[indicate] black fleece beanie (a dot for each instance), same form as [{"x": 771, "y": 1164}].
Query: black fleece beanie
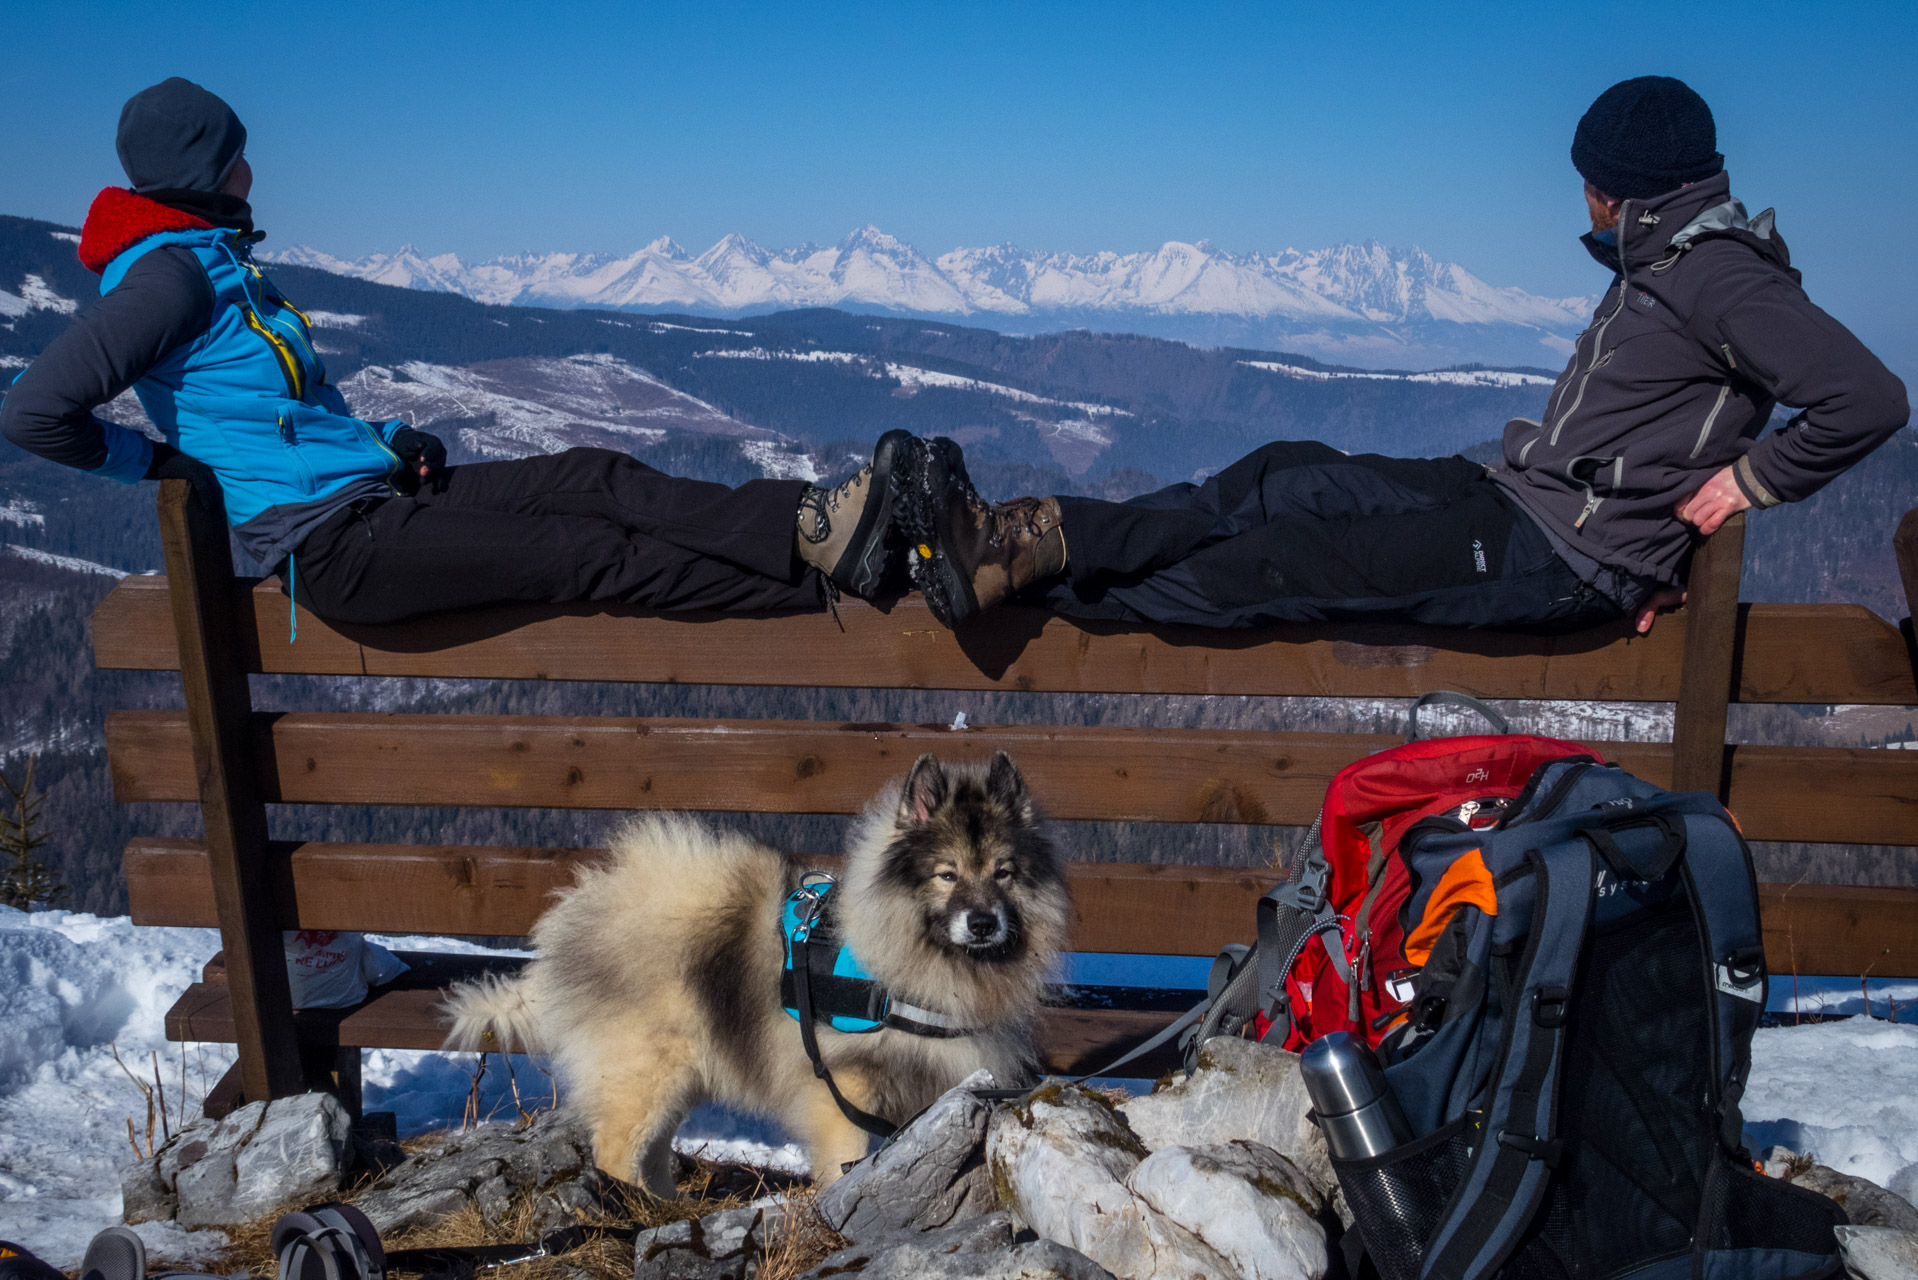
[
  {"x": 1645, "y": 137},
  {"x": 176, "y": 136}
]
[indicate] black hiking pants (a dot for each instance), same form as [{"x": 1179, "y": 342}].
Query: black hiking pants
[
  {"x": 1300, "y": 532},
  {"x": 586, "y": 524}
]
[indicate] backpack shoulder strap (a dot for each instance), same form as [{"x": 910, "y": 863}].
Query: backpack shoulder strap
[{"x": 1505, "y": 1182}]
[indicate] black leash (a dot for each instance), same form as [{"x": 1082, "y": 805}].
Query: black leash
[{"x": 802, "y": 991}]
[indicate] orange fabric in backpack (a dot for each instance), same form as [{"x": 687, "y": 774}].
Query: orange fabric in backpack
[{"x": 1369, "y": 807}]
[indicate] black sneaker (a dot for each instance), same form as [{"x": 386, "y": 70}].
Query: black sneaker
[
  {"x": 846, "y": 532},
  {"x": 16, "y": 1263}
]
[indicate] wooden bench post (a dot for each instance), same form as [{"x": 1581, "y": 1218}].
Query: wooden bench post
[
  {"x": 219, "y": 709},
  {"x": 1905, "y": 544},
  {"x": 1700, "y": 760}
]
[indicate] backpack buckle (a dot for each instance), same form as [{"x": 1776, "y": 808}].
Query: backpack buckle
[
  {"x": 1534, "y": 1147},
  {"x": 1548, "y": 1009}
]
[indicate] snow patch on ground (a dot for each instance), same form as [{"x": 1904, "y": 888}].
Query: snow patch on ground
[
  {"x": 335, "y": 319},
  {"x": 38, "y": 293},
  {"x": 73, "y": 563},
  {"x": 1844, "y": 1091},
  {"x": 1449, "y": 377},
  {"x": 24, "y": 513},
  {"x": 760, "y": 353}
]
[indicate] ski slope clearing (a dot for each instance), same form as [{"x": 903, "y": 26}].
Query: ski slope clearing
[{"x": 75, "y": 989}]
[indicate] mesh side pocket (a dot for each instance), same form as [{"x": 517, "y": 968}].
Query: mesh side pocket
[
  {"x": 1397, "y": 1198},
  {"x": 1745, "y": 1210}
]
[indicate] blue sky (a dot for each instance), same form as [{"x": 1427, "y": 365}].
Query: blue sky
[{"x": 486, "y": 128}]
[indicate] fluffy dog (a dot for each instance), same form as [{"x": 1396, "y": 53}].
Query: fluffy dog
[{"x": 657, "y": 984}]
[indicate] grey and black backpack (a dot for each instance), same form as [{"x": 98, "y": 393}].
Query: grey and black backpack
[{"x": 1591, "y": 972}]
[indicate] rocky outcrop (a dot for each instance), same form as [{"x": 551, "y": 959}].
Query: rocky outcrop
[
  {"x": 1067, "y": 1163},
  {"x": 222, "y": 1173},
  {"x": 490, "y": 1168},
  {"x": 932, "y": 1174},
  {"x": 1879, "y": 1253},
  {"x": 1239, "y": 1089},
  {"x": 984, "y": 1248}
]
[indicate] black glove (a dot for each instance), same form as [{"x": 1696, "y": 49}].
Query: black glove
[
  {"x": 423, "y": 457},
  {"x": 170, "y": 464}
]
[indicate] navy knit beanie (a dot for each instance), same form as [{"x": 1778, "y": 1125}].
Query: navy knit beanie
[
  {"x": 1645, "y": 137},
  {"x": 176, "y": 136}
]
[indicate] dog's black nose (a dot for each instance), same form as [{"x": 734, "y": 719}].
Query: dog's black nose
[{"x": 981, "y": 924}]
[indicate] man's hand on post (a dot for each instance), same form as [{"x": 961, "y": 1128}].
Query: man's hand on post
[
  {"x": 1660, "y": 601},
  {"x": 1713, "y": 505}
]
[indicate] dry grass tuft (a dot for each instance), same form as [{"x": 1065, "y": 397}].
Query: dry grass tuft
[
  {"x": 707, "y": 1187},
  {"x": 806, "y": 1242}
]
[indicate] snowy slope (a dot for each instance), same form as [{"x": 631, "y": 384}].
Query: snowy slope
[
  {"x": 74, "y": 987},
  {"x": 1352, "y": 284}
]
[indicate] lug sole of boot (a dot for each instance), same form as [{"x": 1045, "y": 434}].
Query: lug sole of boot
[
  {"x": 926, "y": 483},
  {"x": 862, "y": 570}
]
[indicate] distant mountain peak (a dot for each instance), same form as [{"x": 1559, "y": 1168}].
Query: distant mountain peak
[{"x": 1354, "y": 296}]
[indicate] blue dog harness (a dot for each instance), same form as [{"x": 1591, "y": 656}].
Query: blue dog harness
[
  {"x": 823, "y": 977},
  {"x": 842, "y": 993}
]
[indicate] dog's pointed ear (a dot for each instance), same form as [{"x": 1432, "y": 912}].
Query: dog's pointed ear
[
  {"x": 925, "y": 790},
  {"x": 1007, "y": 785}
]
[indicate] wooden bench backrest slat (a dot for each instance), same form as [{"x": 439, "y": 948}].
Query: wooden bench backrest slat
[
  {"x": 1117, "y": 907},
  {"x": 767, "y": 766},
  {"x": 1795, "y": 653}
]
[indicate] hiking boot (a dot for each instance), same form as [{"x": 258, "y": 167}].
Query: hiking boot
[
  {"x": 844, "y": 532},
  {"x": 966, "y": 554}
]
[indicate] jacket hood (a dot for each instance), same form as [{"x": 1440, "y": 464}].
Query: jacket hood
[{"x": 120, "y": 219}]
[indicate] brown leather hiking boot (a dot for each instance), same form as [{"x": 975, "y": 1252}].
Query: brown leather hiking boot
[
  {"x": 845, "y": 531},
  {"x": 967, "y": 554}
]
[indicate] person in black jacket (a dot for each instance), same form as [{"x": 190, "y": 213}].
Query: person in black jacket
[
  {"x": 366, "y": 522},
  {"x": 1651, "y": 438}
]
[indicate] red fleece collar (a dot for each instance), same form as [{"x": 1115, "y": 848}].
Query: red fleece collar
[{"x": 120, "y": 219}]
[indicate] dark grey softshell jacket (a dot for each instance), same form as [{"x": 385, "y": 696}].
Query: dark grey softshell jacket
[{"x": 1704, "y": 330}]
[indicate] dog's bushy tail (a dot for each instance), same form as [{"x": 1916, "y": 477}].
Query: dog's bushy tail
[{"x": 492, "y": 1014}]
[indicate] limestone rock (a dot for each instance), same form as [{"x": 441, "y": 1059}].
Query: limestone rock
[
  {"x": 1254, "y": 1207},
  {"x": 932, "y": 1175},
  {"x": 979, "y": 1249},
  {"x": 1904, "y": 1184},
  {"x": 727, "y": 1245},
  {"x": 1866, "y": 1203},
  {"x": 488, "y": 1168},
  {"x": 1879, "y": 1253},
  {"x": 219, "y": 1173},
  {"x": 1239, "y": 1090},
  {"x": 144, "y": 1197},
  {"x": 1059, "y": 1158}
]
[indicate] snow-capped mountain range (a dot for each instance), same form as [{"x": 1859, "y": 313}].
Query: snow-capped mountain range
[{"x": 1349, "y": 298}]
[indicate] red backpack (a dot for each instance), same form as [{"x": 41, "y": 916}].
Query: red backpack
[{"x": 1333, "y": 954}]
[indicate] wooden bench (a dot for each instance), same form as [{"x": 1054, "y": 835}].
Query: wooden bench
[{"x": 235, "y": 761}]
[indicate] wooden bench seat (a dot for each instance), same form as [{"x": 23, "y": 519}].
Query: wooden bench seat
[{"x": 234, "y": 761}]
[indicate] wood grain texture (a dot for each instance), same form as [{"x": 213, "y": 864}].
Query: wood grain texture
[
  {"x": 1699, "y": 759},
  {"x": 410, "y": 1014},
  {"x": 1840, "y": 795},
  {"x": 217, "y": 727},
  {"x": 1787, "y": 653},
  {"x": 1131, "y": 908}
]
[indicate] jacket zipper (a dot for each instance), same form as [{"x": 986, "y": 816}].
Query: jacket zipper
[
  {"x": 1705, "y": 432},
  {"x": 1598, "y": 340},
  {"x": 282, "y": 353}
]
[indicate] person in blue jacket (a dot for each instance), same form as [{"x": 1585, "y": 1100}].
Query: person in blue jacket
[{"x": 366, "y": 521}]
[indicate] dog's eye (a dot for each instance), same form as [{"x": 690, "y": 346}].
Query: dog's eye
[
  {"x": 947, "y": 876},
  {"x": 1003, "y": 873}
]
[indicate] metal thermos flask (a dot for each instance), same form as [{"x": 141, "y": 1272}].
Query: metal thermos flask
[{"x": 1351, "y": 1099}]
